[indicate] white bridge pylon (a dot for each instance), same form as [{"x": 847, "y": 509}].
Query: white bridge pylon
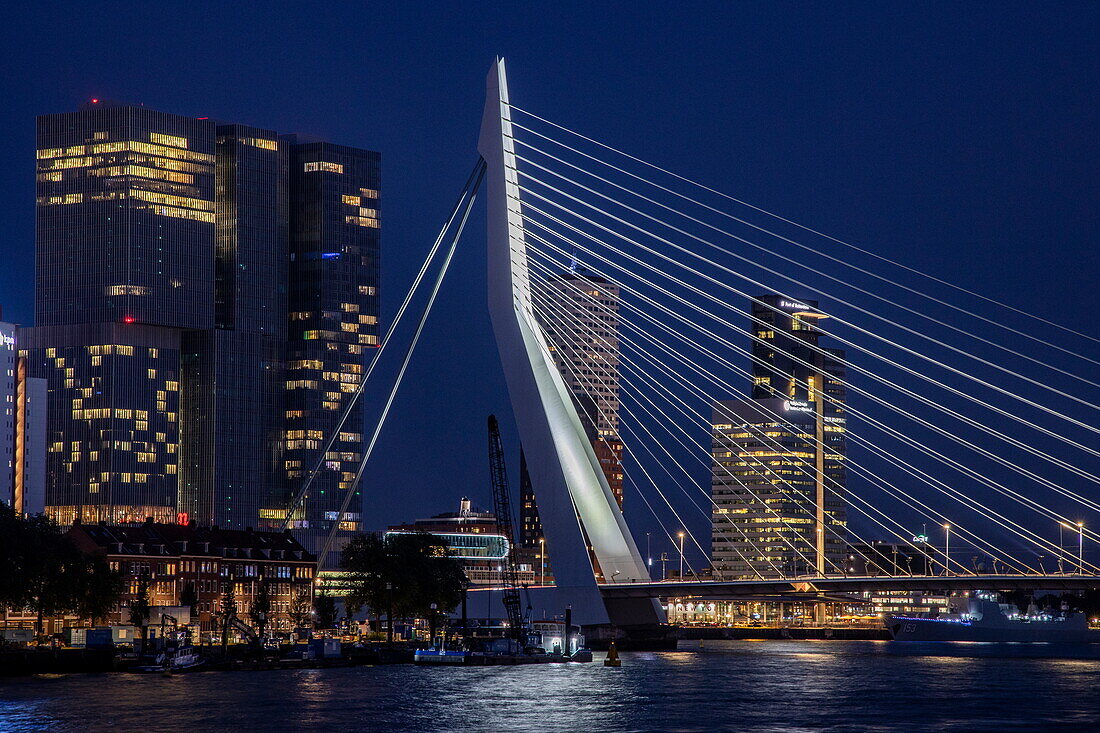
[{"x": 574, "y": 498}]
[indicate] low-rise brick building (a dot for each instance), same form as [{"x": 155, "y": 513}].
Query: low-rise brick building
[{"x": 174, "y": 558}]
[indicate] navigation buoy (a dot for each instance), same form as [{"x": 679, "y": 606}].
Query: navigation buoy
[{"x": 612, "y": 656}]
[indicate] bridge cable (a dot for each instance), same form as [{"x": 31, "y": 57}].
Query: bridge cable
[
  {"x": 353, "y": 398},
  {"x": 480, "y": 170},
  {"x": 800, "y": 226},
  {"x": 860, "y": 369},
  {"x": 920, "y": 446}
]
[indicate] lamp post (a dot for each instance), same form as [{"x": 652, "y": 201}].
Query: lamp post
[
  {"x": 1061, "y": 548},
  {"x": 681, "y": 535},
  {"x": 648, "y": 553},
  {"x": 947, "y": 549},
  {"x": 1081, "y": 548},
  {"x": 542, "y": 556}
]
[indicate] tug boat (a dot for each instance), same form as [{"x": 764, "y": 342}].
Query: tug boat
[
  {"x": 185, "y": 659},
  {"x": 982, "y": 618}
]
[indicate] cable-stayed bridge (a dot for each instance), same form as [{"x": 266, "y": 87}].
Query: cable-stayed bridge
[{"x": 809, "y": 400}]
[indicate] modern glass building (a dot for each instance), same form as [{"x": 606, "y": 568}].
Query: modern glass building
[
  {"x": 233, "y": 375},
  {"x": 125, "y": 263},
  {"x": 206, "y": 297},
  {"x": 335, "y": 226},
  {"x": 778, "y": 458}
]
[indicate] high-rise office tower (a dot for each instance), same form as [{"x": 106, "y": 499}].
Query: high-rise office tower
[
  {"x": 580, "y": 318},
  {"x": 22, "y": 429},
  {"x": 206, "y": 296},
  {"x": 233, "y": 379},
  {"x": 334, "y": 269},
  {"x": 125, "y": 263},
  {"x": 581, "y": 322},
  {"x": 778, "y": 473}
]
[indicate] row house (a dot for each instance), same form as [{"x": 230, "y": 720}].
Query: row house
[{"x": 204, "y": 563}]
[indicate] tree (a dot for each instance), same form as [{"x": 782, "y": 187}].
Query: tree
[
  {"x": 365, "y": 559},
  {"x": 403, "y": 575},
  {"x": 43, "y": 570},
  {"x": 302, "y": 609},
  {"x": 99, "y": 590},
  {"x": 188, "y": 597},
  {"x": 228, "y": 610},
  {"x": 139, "y": 607},
  {"x": 324, "y": 606},
  {"x": 261, "y": 607}
]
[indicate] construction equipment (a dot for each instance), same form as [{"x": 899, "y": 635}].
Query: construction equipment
[{"x": 502, "y": 508}]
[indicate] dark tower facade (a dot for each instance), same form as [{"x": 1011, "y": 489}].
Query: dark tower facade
[
  {"x": 233, "y": 377},
  {"x": 333, "y": 329}
]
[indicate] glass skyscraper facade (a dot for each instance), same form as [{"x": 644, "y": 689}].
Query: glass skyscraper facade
[
  {"x": 233, "y": 374},
  {"x": 190, "y": 276}
]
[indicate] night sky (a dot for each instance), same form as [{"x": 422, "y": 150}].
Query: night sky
[{"x": 961, "y": 139}]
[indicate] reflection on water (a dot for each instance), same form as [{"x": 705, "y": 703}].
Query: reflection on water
[{"x": 727, "y": 685}]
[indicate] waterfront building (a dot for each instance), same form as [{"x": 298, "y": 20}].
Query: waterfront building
[
  {"x": 532, "y": 540},
  {"x": 22, "y": 429},
  {"x": 176, "y": 560},
  {"x": 778, "y": 473},
  {"x": 473, "y": 536},
  {"x": 206, "y": 297},
  {"x": 335, "y": 225},
  {"x": 892, "y": 559}
]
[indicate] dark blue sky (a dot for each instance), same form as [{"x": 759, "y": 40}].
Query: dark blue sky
[{"x": 961, "y": 139}]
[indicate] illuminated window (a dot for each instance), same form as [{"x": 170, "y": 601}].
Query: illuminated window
[
  {"x": 175, "y": 142},
  {"x": 351, "y": 200},
  {"x": 68, "y": 198},
  {"x": 127, "y": 290},
  {"x": 323, "y": 166},
  {"x": 259, "y": 142}
]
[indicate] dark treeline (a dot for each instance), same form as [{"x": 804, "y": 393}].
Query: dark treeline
[
  {"x": 41, "y": 569},
  {"x": 401, "y": 576}
]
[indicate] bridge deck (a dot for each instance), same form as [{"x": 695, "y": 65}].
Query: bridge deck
[{"x": 753, "y": 589}]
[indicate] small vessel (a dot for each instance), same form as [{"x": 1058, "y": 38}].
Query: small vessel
[
  {"x": 439, "y": 656},
  {"x": 184, "y": 659},
  {"x": 982, "y": 618}
]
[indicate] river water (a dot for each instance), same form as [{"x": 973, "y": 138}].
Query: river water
[{"x": 729, "y": 685}]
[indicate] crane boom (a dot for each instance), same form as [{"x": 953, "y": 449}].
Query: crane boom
[{"x": 502, "y": 508}]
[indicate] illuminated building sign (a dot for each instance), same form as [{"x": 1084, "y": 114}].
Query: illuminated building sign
[
  {"x": 798, "y": 406},
  {"x": 793, "y": 305},
  {"x": 7, "y": 340}
]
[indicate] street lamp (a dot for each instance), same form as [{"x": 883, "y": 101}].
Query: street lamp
[
  {"x": 1061, "y": 548},
  {"x": 648, "y": 553},
  {"x": 1081, "y": 547},
  {"x": 681, "y": 535},
  {"x": 947, "y": 549},
  {"x": 542, "y": 556}
]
